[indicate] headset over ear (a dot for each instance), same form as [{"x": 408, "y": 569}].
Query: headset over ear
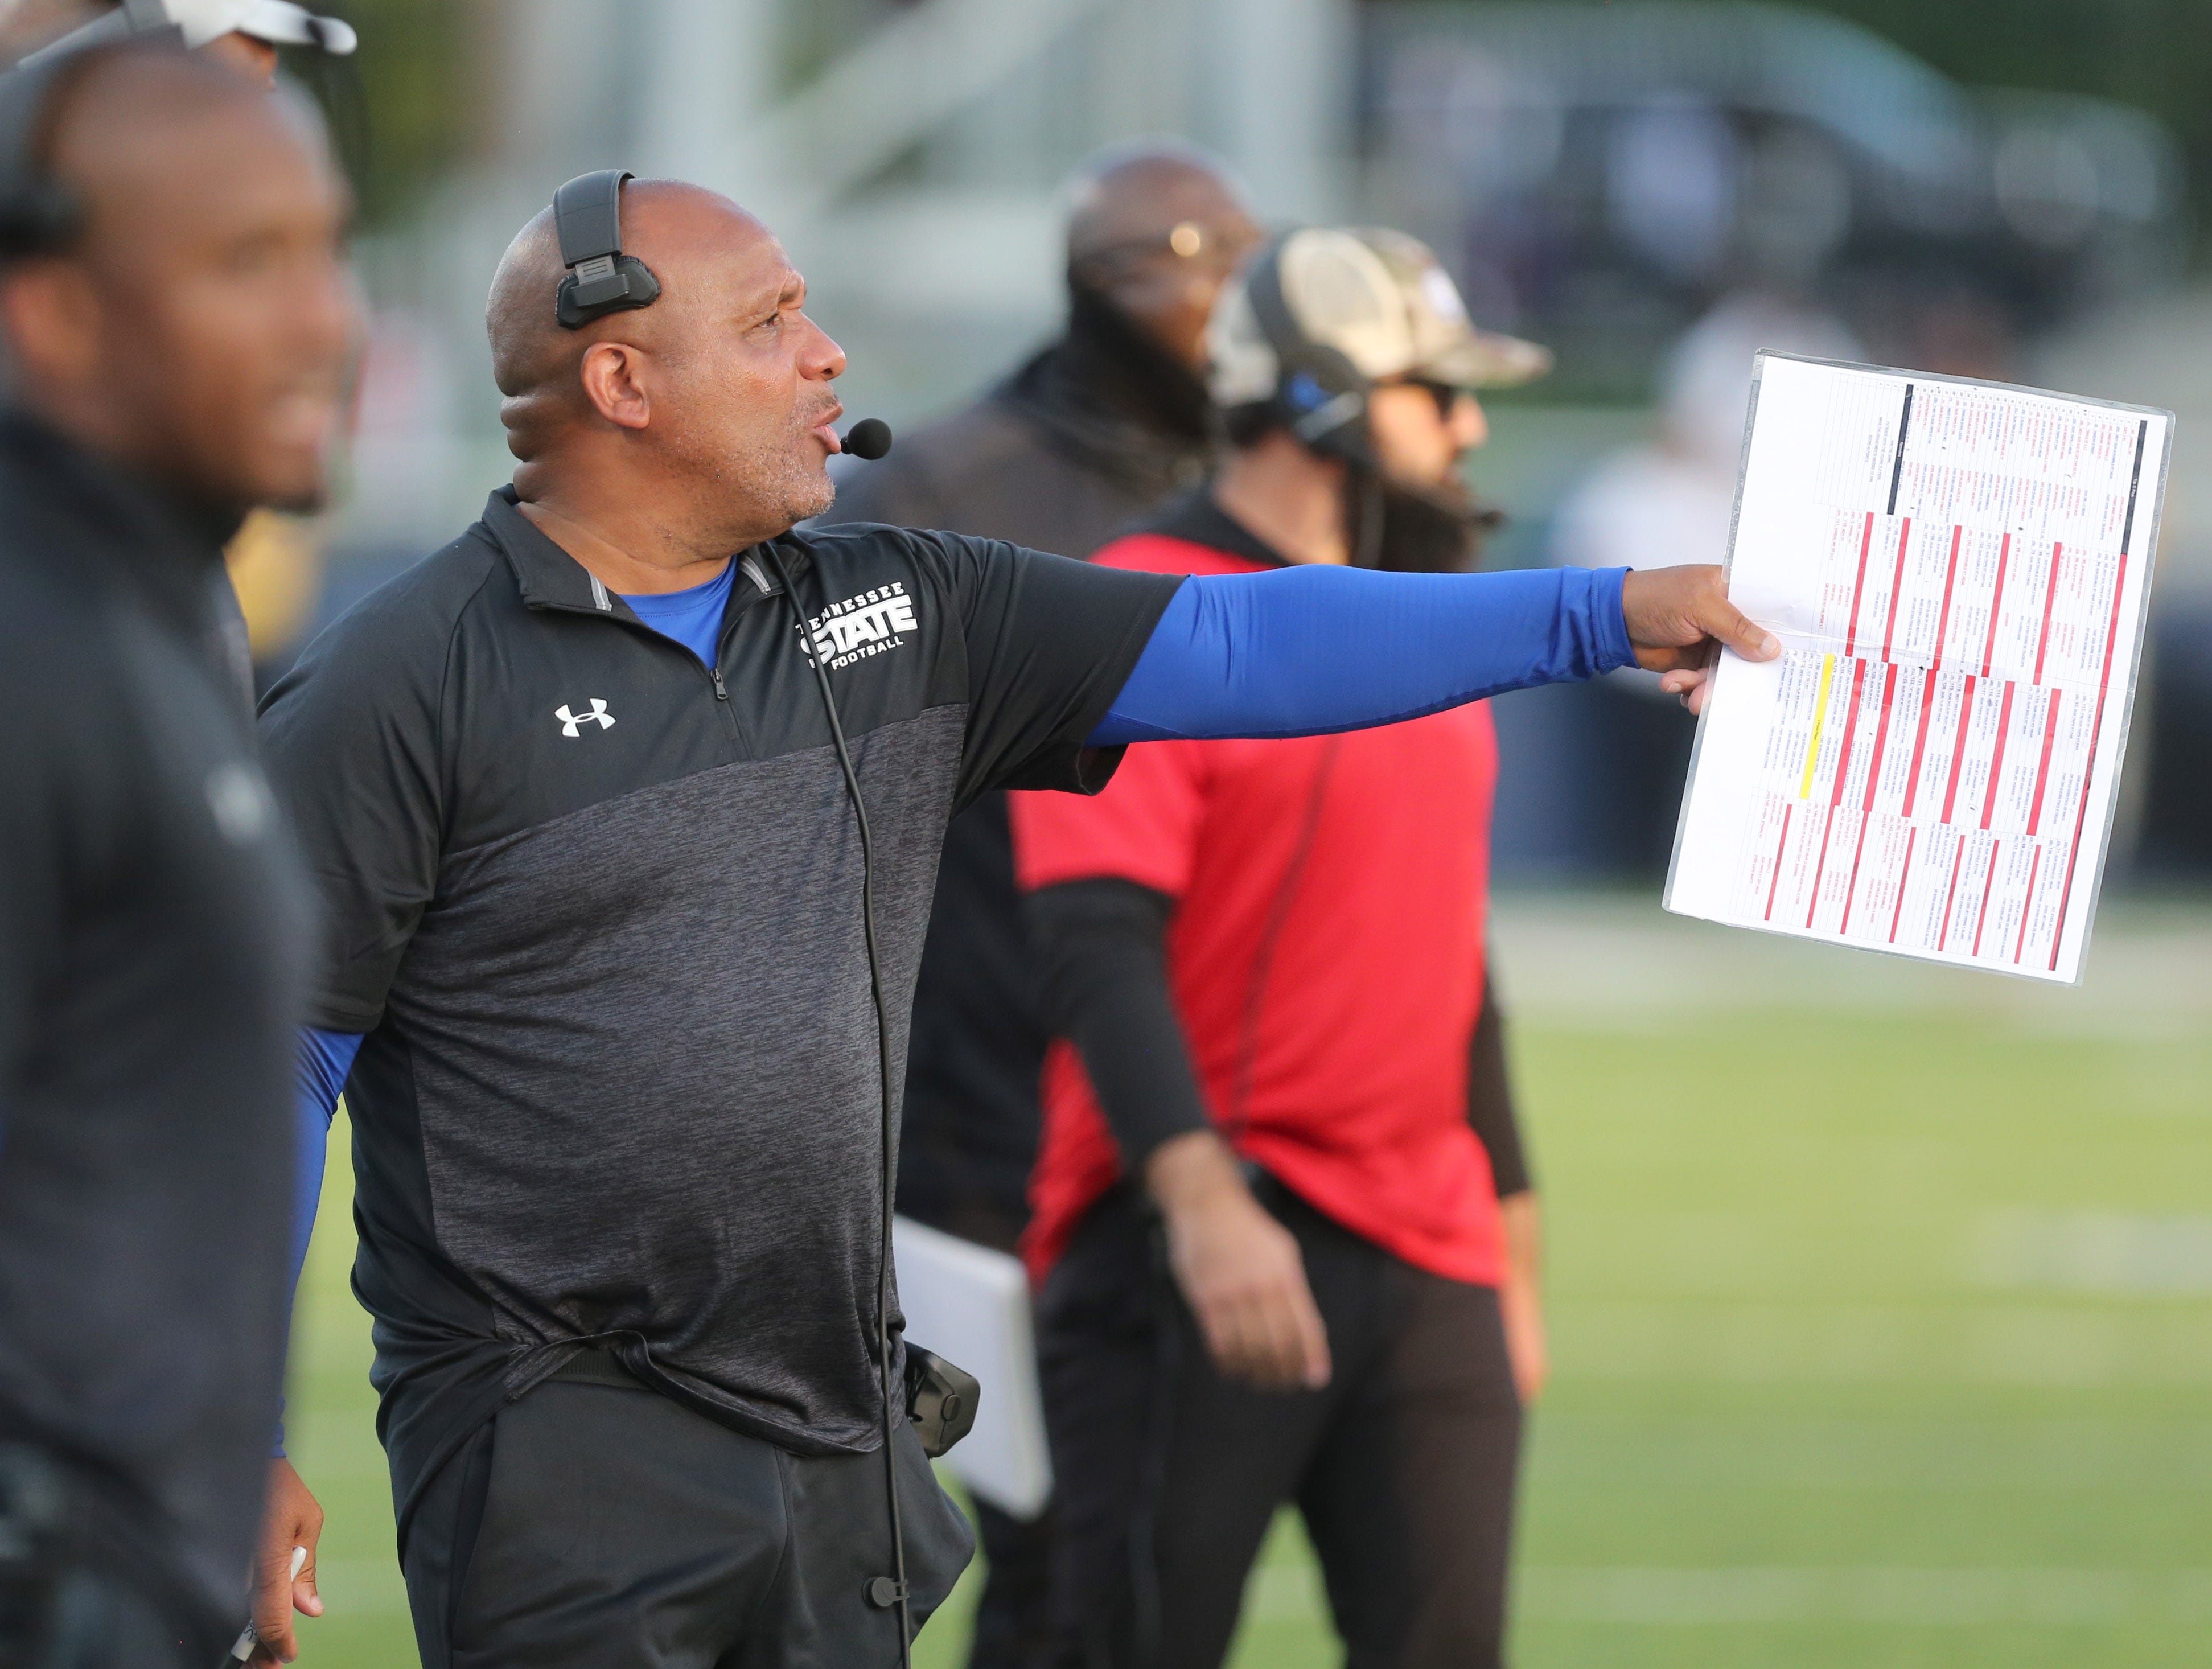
[
  {"x": 39, "y": 214},
  {"x": 1321, "y": 396},
  {"x": 601, "y": 279}
]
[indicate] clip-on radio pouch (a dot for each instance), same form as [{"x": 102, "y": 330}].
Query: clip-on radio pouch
[{"x": 601, "y": 279}]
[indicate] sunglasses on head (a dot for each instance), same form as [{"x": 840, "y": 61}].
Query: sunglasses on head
[{"x": 1187, "y": 241}]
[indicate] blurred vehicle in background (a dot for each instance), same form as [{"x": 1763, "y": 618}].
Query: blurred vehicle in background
[
  {"x": 1604, "y": 175},
  {"x": 1674, "y": 186}
]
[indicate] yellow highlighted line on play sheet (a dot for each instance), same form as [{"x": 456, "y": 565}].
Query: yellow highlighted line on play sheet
[{"x": 1819, "y": 718}]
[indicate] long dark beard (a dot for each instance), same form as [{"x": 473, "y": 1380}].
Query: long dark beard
[{"x": 1408, "y": 530}]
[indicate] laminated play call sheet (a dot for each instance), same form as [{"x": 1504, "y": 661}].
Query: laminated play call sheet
[{"x": 1957, "y": 571}]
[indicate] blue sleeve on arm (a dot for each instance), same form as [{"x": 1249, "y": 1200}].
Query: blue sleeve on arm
[
  {"x": 320, "y": 1070},
  {"x": 1313, "y": 650},
  {"x": 325, "y": 1059}
]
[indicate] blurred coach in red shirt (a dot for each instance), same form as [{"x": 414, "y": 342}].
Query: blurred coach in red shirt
[{"x": 1269, "y": 1227}]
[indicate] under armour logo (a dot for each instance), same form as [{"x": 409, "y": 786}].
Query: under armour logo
[{"x": 570, "y": 722}]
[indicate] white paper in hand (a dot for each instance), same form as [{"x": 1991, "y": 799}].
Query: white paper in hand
[
  {"x": 1958, "y": 571},
  {"x": 971, "y": 1306}
]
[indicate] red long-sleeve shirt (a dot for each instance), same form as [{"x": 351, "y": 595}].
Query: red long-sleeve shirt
[{"x": 1325, "y": 957}]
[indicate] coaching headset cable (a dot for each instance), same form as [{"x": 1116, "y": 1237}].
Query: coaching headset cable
[{"x": 897, "y": 1595}]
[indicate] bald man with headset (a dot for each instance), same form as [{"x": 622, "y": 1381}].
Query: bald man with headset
[{"x": 625, "y": 808}]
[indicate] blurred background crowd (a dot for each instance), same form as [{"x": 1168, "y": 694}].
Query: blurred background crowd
[
  {"x": 2000, "y": 188},
  {"x": 1892, "y": 1350}
]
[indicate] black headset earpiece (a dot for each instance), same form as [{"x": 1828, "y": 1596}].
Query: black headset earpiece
[
  {"x": 1321, "y": 396},
  {"x": 601, "y": 279},
  {"x": 39, "y": 214}
]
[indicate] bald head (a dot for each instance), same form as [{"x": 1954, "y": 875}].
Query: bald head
[
  {"x": 200, "y": 323},
  {"x": 715, "y": 399},
  {"x": 692, "y": 240},
  {"x": 1139, "y": 194},
  {"x": 1156, "y": 230}
]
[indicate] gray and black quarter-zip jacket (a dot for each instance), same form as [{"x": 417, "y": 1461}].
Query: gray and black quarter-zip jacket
[
  {"x": 153, "y": 937},
  {"x": 597, "y": 907}
]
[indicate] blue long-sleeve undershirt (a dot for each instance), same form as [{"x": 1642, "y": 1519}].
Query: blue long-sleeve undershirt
[
  {"x": 1307, "y": 651},
  {"x": 325, "y": 1059},
  {"x": 318, "y": 1078}
]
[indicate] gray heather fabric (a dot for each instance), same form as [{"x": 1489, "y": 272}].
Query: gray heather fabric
[
  {"x": 573, "y": 1153},
  {"x": 595, "y": 907}
]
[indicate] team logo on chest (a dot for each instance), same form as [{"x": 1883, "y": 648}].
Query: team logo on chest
[
  {"x": 572, "y": 724},
  {"x": 872, "y": 623}
]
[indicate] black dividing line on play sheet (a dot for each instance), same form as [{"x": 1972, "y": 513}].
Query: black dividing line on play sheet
[
  {"x": 2128, "y": 527},
  {"x": 1897, "y": 470}
]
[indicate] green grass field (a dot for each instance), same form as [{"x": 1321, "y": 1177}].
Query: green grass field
[{"x": 1882, "y": 1302}]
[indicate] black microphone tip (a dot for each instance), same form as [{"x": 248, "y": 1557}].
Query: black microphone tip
[{"x": 870, "y": 438}]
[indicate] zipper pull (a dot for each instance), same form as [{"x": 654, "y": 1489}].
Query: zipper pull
[{"x": 722, "y": 692}]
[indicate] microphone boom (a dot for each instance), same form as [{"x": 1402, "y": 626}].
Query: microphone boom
[{"x": 870, "y": 438}]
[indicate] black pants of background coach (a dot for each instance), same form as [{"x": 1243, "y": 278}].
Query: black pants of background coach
[{"x": 1168, "y": 1477}]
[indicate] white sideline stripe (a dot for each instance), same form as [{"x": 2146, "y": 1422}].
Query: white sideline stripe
[
  {"x": 2112, "y": 1254},
  {"x": 1661, "y": 1596},
  {"x": 1618, "y": 962}
]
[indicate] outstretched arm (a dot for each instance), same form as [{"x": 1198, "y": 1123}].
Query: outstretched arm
[{"x": 1313, "y": 650}]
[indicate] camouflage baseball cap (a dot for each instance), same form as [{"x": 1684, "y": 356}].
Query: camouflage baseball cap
[{"x": 1381, "y": 299}]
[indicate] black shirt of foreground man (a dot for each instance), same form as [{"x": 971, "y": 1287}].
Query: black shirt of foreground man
[
  {"x": 177, "y": 343},
  {"x": 593, "y": 907},
  {"x": 153, "y": 924}
]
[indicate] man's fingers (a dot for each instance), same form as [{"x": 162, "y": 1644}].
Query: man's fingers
[
  {"x": 1223, "y": 1322},
  {"x": 1690, "y": 683},
  {"x": 1721, "y": 619},
  {"x": 1675, "y": 615},
  {"x": 306, "y": 1597},
  {"x": 1286, "y": 1366},
  {"x": 1260, "y": 1337},
  {"x": 1312, "y": 1336}
]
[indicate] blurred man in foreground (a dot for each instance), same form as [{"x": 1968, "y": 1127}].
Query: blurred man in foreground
[
  {"x": 244, "y": 33},
  {"x": 177, "y": 326},
  {"x": 1091, "y": 432},
  {"x": 1286, "y": 1063}
]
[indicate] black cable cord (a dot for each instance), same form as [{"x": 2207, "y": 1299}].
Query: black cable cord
[
  {"x": 884, "y": 1072},
  {"x": 1160, "y": 1429}
]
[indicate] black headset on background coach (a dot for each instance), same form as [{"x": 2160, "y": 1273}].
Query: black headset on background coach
[
  {"x": 602, "y": 280},
  {"x": 39, "y": 214},
  {"x": 1321, "y": 396}
]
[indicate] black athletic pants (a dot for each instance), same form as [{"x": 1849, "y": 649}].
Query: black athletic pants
[
  {"x": 597, "y": 1526},
  {"x": 1013, "y": 1614},
  {"x": 1167, "y": 1476}
]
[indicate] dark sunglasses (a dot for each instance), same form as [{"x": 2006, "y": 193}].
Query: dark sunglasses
[{"x": 1446, "y": 395}]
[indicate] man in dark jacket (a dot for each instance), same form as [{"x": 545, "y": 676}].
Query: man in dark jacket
[
  {"x": 177, "y": 325},
  {"x": 1091, "y": 432}
]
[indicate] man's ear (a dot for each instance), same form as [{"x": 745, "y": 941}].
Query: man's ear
[
  {"x": 50, "y": 320},
  {"x": 612, "y": 373}
]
